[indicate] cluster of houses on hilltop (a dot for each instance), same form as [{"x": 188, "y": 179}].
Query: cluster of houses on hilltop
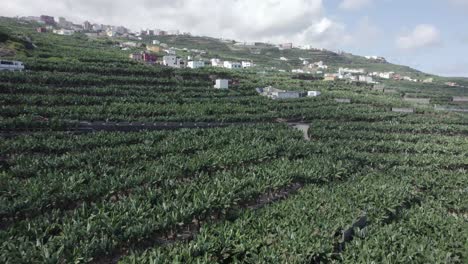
[
  {"x": 65, "y": 27},
  {"x": 160, "y": 32},
  {"x": 354, "y": 75},
  {"x": 376, "y": 58},
  {"x": 215, "y": 62},
  {"x": 174, "y": 61},
  {"x": 311, "y": 68},
  {"x": 361, "y": 75}
]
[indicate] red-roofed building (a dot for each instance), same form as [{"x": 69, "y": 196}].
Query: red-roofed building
[{"x": 149, "y": 58}]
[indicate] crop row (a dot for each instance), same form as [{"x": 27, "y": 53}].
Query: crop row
[
  {"x": 96, "y": 229},
  {"x": 362, "y": 134},
  {"x": 302, "y": 229},
  {"x": 395, "y": 127},
  {"x": 57, "y": 189}
]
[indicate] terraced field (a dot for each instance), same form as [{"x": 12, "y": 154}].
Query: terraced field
[{"x": 371, "y": 185}]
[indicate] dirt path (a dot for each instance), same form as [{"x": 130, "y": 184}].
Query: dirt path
[{"x": 304, "y": 128}]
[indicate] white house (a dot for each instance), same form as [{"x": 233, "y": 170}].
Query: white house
[
  {"x": 247, "y": 64},
  {"x": 156, "y": 42},
  {"x": 232, "y": 65},
  {"x": 403, "y": 110},
  {"x": 64, "y": 32},
  {"x": 366, "y": 79},
  {"x": 111, "y": 33},
  {"x": 386, "y": 75},
  {"x": 313, "y": 93},
  {"x": 343, "y": 71},
  {"x": 7, "y": 65},
  {"x": 285, "y": 95},
  {"x": 222, "y": 84},
  {"x": 297, "y": 71},
  {"x": 216, "y": 63},
  {"x": 196, "y": 64},
  {"x": 284, "y": 59},
  {"x": 171, "y": 61},
  {"x": 275, "y": 93},
  {"x": 129, "y": 44},
  {"x": 170, "y": 51}
]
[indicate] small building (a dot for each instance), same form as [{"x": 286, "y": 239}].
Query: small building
[
  {"x": 247, "y": 64},
  {"x": 156, "y": 42},
  {"x": 460, "y": 99},
  {"x": 428, "y": 80},
  {"x": 87, "y": 26},
  {"x": 172, "y": 61},
  {"x": 221, "y": 84},
  {"x": 285, "y": 95},
  {"x": 7, "y": 65},
  {"x": 129, "y": 44},
  {"x": 403, "y": 110},
  {"x": 286, "y": 46},
  {"x": 297, "y": 71},
  {"x": 149, "y": 58},
  {"x": 196, "y": 64},
  {"x": 153, "y": 48},
  {"x": 313, "y": 93},
  {"x": 343, "y": 100},
  {"x": 386, "y": 75},
  {"x": 232, "y": 65},
  {"x": 329, "y": 78},
  {"x": 64, "y": 32},
  {"x": 41, "y": 30},
  {"x": 136, "y": 56},
  {"x": 48, "y": 20},
  {"x": 343, "y": 71},
  {"x": 216, "y": 63},
  {"x": 275, "y": 93}
]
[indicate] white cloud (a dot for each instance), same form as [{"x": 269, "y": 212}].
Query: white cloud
[
  {"x": 421, "y": 36},
  {"x": 366, "y": 33},
  {"x": 354, "y": 4},
  {"x": 299, "y": 21}
]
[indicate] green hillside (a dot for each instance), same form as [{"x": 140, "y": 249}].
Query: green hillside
[
  {"x": 107, "y": 160},
  {"x": 269, "y": 55}
]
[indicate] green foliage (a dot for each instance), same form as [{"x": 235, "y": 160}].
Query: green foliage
[{"x": 221, "y": 195}]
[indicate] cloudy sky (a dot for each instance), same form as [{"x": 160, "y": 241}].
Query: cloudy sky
[{"x": 430, "y": 35}]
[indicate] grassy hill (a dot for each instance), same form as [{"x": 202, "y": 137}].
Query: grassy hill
[
  {"x": 269, "y": 55},
  {"x": 17, "y": 36}
]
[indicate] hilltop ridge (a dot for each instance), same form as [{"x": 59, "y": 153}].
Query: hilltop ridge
[{"x": 17, "y": 36}]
